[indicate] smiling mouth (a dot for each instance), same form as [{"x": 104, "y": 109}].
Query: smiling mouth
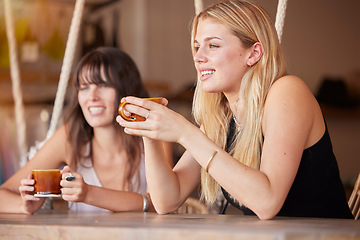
[
  {"x": 207, "y": 72},
  {"x": 96, "y": 110}
]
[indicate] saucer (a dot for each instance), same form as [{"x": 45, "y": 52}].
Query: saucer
[{"x": 47, "y": 195}]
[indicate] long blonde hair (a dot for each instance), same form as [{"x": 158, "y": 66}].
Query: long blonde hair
[{"x": 251, "y": 24}]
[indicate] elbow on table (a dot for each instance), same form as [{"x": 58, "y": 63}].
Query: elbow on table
[
  {"x": 161, "y": 212},
  {"x": 267, "y": 212},
  {"x": 163, "y": 209},
  {"x": 265, "y": 216}
]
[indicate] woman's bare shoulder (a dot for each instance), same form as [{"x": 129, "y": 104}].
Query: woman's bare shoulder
[
  {"x": 291, "y": 99},
  {"x": 290, "y": 89},
  {"x": 289, "y": 83}
]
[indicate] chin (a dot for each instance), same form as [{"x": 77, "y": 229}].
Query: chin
[{"x": 209, "y": 90}]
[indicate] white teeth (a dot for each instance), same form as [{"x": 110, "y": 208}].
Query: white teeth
[
  {"x": 207, "y": 72},
  {"x": 95, "y": 110}
]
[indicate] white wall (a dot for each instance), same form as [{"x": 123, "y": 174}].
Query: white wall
[
  {"x": 162, "y": 51},
  {"x": 320, "y": 38}
]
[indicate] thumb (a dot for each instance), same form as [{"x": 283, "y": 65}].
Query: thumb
[{"x": 66, "y": 169}]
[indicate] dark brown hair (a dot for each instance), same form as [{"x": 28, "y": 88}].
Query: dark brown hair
[{"x": 121, "y": 73}]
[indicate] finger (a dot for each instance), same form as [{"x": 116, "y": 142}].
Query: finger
[
  {"x": 26, "y": 189},
  {"x": 68, "y": 174},
  {"x": 27, "y": 182},
  {"x": 66, "y": 169},
  {"x": 30, "y": 198},
  {"x": 70, "y": 177},
  {"x": 118, "y": 119},
  {"x": 141, "y": 125},
  {"x": 69, "y": 184},
  {"x": 137, "y": 132},
  {"x": 70, "y": 194},
  {"x": 164, "y": 102},
  {"x": 138, "y": 110},
  {"x": 68, "y": 191},
  {"x": 123, "y": 99},
  {"x": 142, "y": 102},
  {"x": 133, "y": 100}
]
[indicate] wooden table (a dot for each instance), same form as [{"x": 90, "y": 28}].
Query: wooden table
[{"x": 105, "y": 226}]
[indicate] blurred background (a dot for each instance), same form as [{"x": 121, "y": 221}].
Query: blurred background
[{"x": 320, "y": 41}]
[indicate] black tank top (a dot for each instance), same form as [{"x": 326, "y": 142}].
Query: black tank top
[{"x": 317, "y": 190}]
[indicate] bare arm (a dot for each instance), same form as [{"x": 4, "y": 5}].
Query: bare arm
[
  {"x": 292, "y": 121},
  {"x": 169, "y": 187},
  {"x": 114, "y": 200},
  {"x": 16, "y": 194}
]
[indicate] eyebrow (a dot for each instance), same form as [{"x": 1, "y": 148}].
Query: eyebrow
[{"x": 208, "y": 39}]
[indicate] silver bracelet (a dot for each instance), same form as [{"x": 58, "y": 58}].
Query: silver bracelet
[{"x": 145, "y": 202}]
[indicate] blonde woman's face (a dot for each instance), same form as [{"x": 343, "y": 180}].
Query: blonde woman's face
[{"x": 220, "y": 59}]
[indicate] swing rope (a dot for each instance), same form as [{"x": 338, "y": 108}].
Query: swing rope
[
  {"x": 198, "y": 6},
  {"x": 67, "y": 66},
  {"x": 280, "y": 18},
  {"x": 16, "y": 85},
  {"x": 62, "y": 85},
  {"x": 64, "y": 75},
  {"x": 280, "y": 15}
]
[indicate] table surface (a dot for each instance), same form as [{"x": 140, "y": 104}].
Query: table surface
[{"x": 66, "y": 225}]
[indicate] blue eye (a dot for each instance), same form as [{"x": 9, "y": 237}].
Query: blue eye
[
  {"x": 83, "y": 87},
  {"x": 213, "y": 46}
]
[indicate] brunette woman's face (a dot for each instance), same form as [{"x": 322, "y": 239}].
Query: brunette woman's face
[
  {"x": 219, "y": 57},
  {"x": 97, "y": 102}
]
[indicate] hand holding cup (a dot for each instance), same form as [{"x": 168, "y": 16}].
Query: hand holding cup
[
  {"x": 134, "y": 117},
  {"x": 47, "y": 182}
]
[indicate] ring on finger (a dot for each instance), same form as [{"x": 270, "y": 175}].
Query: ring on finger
[{"x": 70, "y": 177}]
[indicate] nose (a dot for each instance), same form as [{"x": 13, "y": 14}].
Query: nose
[
  {"x": 93, "y": 94},
  {"x": 199, "y": 56}
]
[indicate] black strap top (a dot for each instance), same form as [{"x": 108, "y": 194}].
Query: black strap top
[{"x": 317, "y": 190}]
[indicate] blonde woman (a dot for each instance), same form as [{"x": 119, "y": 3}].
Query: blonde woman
[{"x": 262, "y": 136}]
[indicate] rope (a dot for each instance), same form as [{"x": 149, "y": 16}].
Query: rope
[
  {"x": 16, "y": 86},
  {"x": 67, "y": 65},
  {"x": 198, "y": 6},
  {"x": 280, "y": 17}
]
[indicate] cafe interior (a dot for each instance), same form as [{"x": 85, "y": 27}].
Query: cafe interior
[{"x": 320, "y": 40}]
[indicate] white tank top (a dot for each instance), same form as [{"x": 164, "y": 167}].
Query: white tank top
[{"x": 90, "y": 177}]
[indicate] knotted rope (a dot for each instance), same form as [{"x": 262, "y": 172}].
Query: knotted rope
[
  {"x": 64, "y": 75},
  {"x": 280, "y": 18},
  {"x": 198, "y": 6},
  {"x": 20, "y": 120},
  {"x": 67, "y": 66}
]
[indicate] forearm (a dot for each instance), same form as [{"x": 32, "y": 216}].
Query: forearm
[
  {"x": 234, "y": 176},
  {"x": 162, "y": 182},
  {"x": 199, "y": 146},
  {"x": 10, "y": 202},
  {"x": 114, "y": 200}
]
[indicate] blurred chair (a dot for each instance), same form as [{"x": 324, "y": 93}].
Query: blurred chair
[
  {"x": 193, "y": 206},
  {"x": 354, "y": 200}
]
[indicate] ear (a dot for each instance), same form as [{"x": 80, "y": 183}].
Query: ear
[{"x": 255, "y": 55}]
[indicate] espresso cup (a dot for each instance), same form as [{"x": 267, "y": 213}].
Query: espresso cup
[
  {"x": 134, "y": 117},
  {"x": 47, "y": 181}
]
